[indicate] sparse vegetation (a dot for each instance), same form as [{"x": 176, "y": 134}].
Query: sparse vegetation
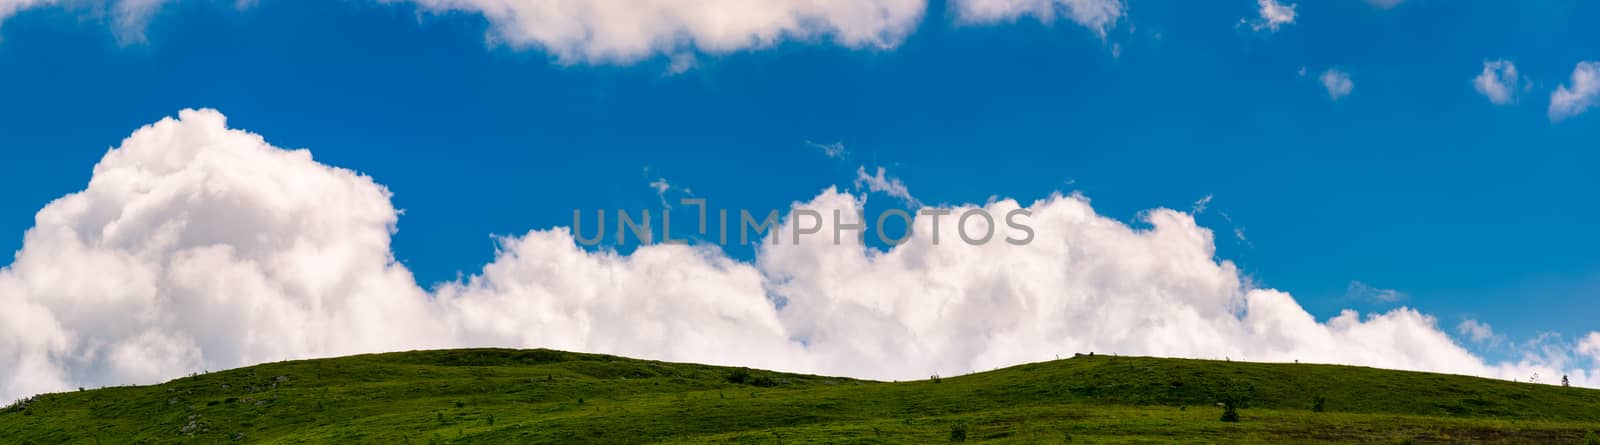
[{"x": 541, "y": 396}]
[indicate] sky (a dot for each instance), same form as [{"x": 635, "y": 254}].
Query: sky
[{"x": 1425, "y": 163}]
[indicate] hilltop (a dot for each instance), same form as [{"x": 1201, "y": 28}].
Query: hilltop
[{"x": 545, "y": 396}]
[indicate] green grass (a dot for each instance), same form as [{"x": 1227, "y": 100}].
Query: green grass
[{"x": 543, "y": 396}]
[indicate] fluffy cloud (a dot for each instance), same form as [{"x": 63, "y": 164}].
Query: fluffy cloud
[
  {"x": 1478, "y": 332},
  {"x": 1273, "y": 15},
  {"x": 1097, "y": 15},
  {"x": 1337, "y": 83},
  {"x": 624, "y": 31},
  {"x": 600, "y": 31},
  {"x": 195, "y": 247},
  {"x": 1498, "y": 81},
  {"x": 1578, "y": 95}
]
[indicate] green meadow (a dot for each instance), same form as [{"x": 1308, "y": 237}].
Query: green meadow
[{"x": 544, "y": 396}]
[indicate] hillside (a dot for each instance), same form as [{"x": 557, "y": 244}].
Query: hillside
[{"x": 544, "y": 396}]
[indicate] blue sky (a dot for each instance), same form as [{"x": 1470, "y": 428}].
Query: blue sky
[{"x": 1413, "y": 182}]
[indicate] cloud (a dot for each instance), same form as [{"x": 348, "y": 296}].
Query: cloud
[
  {"x": 1590, "y": 347},
  {"x": 197, "y": 247},
  {"x": 1337, "y": 83},
  {"x": 881, "y": 183},
  {"x": 1498, "y": 81},
  {"x": 1576, "y": 96},
  {"x": 1272, "y": 15},
  {"x": 1201, "y": 204},
  {"x": 835, "y": 150},
  {"x": 128, "y": 17},
  {"x": 1478, "y": 332},
  {"x": 1097, "y": 15},
  {"x": 1357, "y": 290},
  {"x": 1385, "y": 4},
  {"x": 11, "y": 7},
  {"x": 623, "y": 31}
]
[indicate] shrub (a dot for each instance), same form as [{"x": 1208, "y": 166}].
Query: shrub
[
  {"x": 1230, "y": 414},
  {"x": 958, "y": 432},
  {"x": 1232, "y": 394},
  {"x": 1318, "y": 403},
  {"x": 1591, "y": 439},
  {"x": 739, "y": 376},
  {"x": 764, "y": 381}
]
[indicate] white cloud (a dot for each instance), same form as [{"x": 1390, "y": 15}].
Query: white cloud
[
  {"x": 882, "y": 183},
  {"x": 1097, "y": 15},
  {"x": 128, "y": 18},
  {"x": 1578, "y": 95},
  {"x": 1337, "y": 83},
  {"x": 1479, "y": 332},
  {"x": 198, "y": 247},
  {"x": 1590, "y": 347},
  {"x": 1385, "y": 4},
  {"x": 1498, "y": 81},
  {"x": 1201, "y": 204},
  {"x": 11, "y": 7},
  {"x": 622, "y": 31},
  {"x": 1273, "y": 15},
  {"x": 835, "y": 150},
  {"x": 1357, "y": 290}
]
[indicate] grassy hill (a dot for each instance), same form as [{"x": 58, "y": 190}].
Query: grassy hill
[{"x": 544, "y": 396}]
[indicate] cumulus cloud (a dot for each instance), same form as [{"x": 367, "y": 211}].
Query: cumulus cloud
[
  {"x": 1498, "y": 81},
  {"x": 1576, "y": 96},
  {"x": 195, "y": 247},
  {"x": 1337, "y": 83},
  {"x": 1273, "y": 15},
  {"x": 602, "y": 31},
  {"x": 1097, "y": 15}
]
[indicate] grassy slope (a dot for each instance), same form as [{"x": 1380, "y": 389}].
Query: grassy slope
[{"x": 550, "y": 396}]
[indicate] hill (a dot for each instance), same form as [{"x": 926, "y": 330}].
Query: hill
[{"x": 544, "y": 396}]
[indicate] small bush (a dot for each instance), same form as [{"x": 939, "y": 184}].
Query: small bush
[
  {"x": 1319, "y": 403},
  {"x": 958, "y": 432},
  {"x": 739, "y": 376},
  {"x": 763, "y": 381},
  {"x": 1229, "y": 414},
  {"x": 1591, "y": 439}
]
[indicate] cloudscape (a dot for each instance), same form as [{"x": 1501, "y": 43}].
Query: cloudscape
[{"x": 884, "y": 190}]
